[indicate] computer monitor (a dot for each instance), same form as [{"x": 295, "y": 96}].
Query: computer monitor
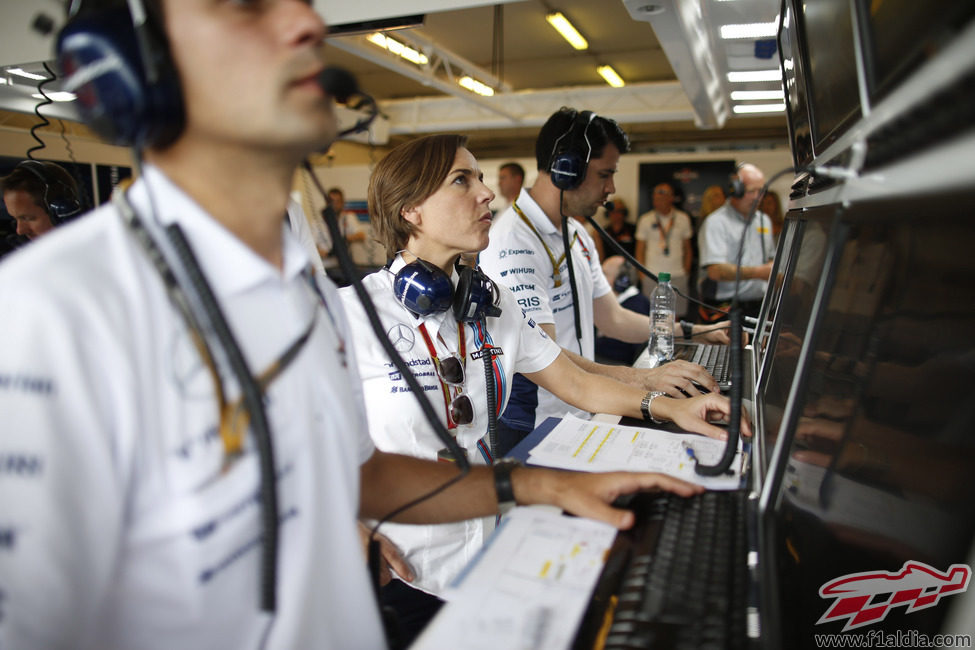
[
  {"x": 794, "y": 85},
  {"x": 781, "y": 268},
  {"x": 829, "y": 56},
  {"x": 900, "y": 35},
  {"x": 880, "y": 423},
  {"x": 795, "y": 307}
]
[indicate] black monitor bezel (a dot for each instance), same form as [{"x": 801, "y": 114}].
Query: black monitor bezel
[{"x": 803, "y": 152}]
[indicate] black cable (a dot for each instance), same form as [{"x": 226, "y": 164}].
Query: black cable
[
  {"x": 737, "y": 353},
  {"x": 642, "y": 269},
  {"x": 492, "y": 397},
  {"x": 570, "y": 269},
  {"x": 47, "y": 101},
  {"x": 196, "y": 302},
  {"x": 254, "y": 403}
]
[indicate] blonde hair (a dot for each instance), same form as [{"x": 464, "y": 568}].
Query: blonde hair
[
  {"x": 405, "y": 178},
  {"x": 712, "y": 199}
]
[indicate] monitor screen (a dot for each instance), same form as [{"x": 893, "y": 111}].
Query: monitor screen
[
  {"x": 900, "y": 35},
  {"x": 879, "y": 468},
  {"x": 781, "y": 267},
  {"x": 794, "y": 86},
  {"x": 827, "y": 43},
  {"x": 795, "y": 305}
]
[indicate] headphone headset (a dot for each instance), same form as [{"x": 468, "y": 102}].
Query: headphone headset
[
  {"x": 425, "y": 289},
  {"x": 567, "y": 164},
  {"x": 116, "y": 59},
  {"x": 60, "y": 204},
  {"x": 736, "y": 187}
]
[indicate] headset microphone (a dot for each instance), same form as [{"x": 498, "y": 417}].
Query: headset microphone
[{"x": 341, "y": 85}]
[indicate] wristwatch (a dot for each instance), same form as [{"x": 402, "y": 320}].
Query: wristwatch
[
  {"x": 688, "y": 329},
  {"x": 645, "y": 406},
  {"x": 503, "y": 486}
]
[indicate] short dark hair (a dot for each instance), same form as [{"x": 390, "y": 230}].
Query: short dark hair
[
  {"x": 57, "y": 185},
  {"x": 517, "y": 169},
  {"x": 601, "y": 131}
]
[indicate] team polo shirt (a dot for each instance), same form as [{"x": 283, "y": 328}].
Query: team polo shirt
[
  {"x": 397, "y": 424},
  {"x": 119, "y": 527},
  {"x": 516, "y": 258},
  {"x": 718, "y": 244}
]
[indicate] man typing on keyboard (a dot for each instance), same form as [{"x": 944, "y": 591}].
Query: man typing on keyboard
[{"x": 527, "y": 254}]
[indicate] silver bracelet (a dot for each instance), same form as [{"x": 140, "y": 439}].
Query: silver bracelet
[{"x": 645, "y": 406}]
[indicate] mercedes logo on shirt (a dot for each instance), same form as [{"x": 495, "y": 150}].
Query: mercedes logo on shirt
[{"x": 402, "y": 337}]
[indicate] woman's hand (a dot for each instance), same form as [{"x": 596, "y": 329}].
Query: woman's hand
[
  {"x": 697, "y": 413},
  {"x": 678, "y": 379}
]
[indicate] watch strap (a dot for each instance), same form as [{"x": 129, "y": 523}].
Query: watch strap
[
  {"x": 503, "y": 486},
  {"x": 645, "y": 406}
]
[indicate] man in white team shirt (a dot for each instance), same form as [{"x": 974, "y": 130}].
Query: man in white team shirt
[
  {"x": 129, "y": 516},
  {"x": 527, "y": 254}
]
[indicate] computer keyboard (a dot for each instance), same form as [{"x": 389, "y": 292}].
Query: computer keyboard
[
  {"x": 678, "y": 579},
  {"x": 714, "y": 357}
]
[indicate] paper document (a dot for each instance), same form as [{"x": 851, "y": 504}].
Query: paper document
[
  {"x": 589, "y": 446},
  {"x": 527, "y": 588}
]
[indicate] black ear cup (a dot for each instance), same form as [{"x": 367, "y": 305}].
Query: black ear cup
[
  {"x": 736, "y": 187},
  {"x": 571, "y": 153},
  {"x": 128, "y": 89},
  {"x": 476, "y": 296},
  {"x": 60, "y": 200}
]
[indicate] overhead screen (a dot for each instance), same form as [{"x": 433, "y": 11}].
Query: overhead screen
[
  {"x": 829, "y": 53},
  {"x": 794, "y": 84},
  {"x": 900, "y": 35}
]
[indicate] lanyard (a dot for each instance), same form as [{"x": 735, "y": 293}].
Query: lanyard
[
  {"x": 556, "y": 263},
  {"x": 445, "y": 389},
  {"x": 665, "y": 232},
  {"x": 234, "y": 420}
]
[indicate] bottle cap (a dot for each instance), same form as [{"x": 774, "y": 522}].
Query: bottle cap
[{"x": 664, "y": 276}]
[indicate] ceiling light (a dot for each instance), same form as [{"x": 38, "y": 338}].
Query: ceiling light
[
  {"x": 476, "y": 86},
  {"x": 758, "y": 108},
  {"x": 57, "y": 96},
  {"x": 749, "y": 30},
  {"x": 744, "y": 95},
  {"x": 2, "y": 81},
  {"x": 744, "y": 76},
  {"x": 28, "y": 75},
  {"x": 569, "y": 33},
  {"x": 613, "y": 79},
  {"x": 397, "y": 48}
]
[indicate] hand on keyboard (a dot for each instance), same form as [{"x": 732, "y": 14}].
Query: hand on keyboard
[
  {"x": 592, "y": 494},
  {"x": 697, "y": 413},
  {"x": 679, "y": 379}
]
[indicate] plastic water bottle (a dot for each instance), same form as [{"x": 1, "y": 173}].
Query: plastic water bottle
[{"x": 662, "y": 306}]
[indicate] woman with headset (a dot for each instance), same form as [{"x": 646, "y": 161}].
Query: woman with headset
[{"x": 464, "y": 338}]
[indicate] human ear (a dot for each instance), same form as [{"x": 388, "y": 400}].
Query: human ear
[{"x": 411, "y": 215}]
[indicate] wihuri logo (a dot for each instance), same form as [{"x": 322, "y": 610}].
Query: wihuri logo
[{"x": 866, "y": 598}]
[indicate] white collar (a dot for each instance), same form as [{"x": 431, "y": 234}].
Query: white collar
[{"x": 230, "y": 265}]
